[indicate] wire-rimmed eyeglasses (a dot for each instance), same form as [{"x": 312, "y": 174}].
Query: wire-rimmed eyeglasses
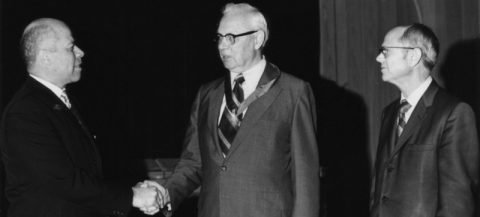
[{"x": 384, "y": 49}]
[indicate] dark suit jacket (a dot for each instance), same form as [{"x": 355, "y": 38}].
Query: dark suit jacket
[
  {"x": 272, "y": 167},
  {"x": 433, "y": 168},
  {"x": 51, "y": 162}
]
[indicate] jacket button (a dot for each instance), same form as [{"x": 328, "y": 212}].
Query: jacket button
[
  {"x": 223, "y": 168},
  {"x": 390, "y": 169},
  {"x": 384, "y": 198}
]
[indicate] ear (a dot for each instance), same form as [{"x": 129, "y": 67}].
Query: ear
[
  {"x": 259, "y": 39},
  {"x": 43, "y": 57},
  {"x": 415, "y": 57}
]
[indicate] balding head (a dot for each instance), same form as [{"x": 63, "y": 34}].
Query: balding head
[
  {"x": 421, "y": 36},
  {"x": 36, "y": 33},
  {"x": 50, "y": 53}
]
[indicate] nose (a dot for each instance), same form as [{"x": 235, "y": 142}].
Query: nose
[
  {"x": 222, "y": 43},
  {"x": 78, "y": 52},
  {"x": 380, "y": 58}
]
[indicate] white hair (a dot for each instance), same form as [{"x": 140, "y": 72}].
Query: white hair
[{"x": 256, "y": 17}]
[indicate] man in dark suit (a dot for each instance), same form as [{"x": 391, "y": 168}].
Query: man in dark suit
[
  {"x": 52, "y": 166},
  {"x": 428, "y": 156},
  {"x": 251, "y": 142}
]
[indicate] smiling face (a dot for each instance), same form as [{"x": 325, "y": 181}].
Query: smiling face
[
  {"x": 393, "y": 59},
  {"x": 61, "y": 57},
  {"x": 244, "y": 53}
]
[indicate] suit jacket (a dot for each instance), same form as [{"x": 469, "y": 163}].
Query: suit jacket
[
  {"x": 433, "y": 168},
  {"x": 272, "y": 167},
  {"x": 51, "y": 162}
]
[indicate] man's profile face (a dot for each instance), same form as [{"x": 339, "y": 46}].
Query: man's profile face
[
  {"x": 240, "y": 56},
  {"x": 393, "y": 63},
  {"x": 64, "y": 56}
]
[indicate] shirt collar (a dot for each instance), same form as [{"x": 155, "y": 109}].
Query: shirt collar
[
  {"x": 55, "y": 89},
  {"x": 418, "y": 93},
  {"x": 252, "y": 75}
]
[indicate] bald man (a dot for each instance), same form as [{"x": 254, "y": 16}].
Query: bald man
[
  {"x": 52, "y": 165},
  {"x": 428, "y": 153}
]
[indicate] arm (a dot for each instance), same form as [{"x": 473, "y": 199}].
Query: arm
[
  {"x": 187, "y": 175},
  {"x": 39, "y": 164},
  {"x": 305, "y": 171},
  {"x": 458, "y": 164}
]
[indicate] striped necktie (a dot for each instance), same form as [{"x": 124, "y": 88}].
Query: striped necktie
[
  {"x": 230, "y": 121},
  {"x": 64, "y": 98},
  {"x": 404, "y": 107}
]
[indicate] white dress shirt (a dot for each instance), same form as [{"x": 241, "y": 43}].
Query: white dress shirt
[
  {"x": 252, "y": 77},
  {"x": 415, "y": 97},
  {"x": 54, "y": 88}
]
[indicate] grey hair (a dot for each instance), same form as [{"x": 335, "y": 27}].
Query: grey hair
[
  {"x": 256, "y": 17},
  {"x": 421, "y": 36}
]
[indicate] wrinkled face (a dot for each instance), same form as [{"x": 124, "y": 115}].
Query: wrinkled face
[
  {"x": 392, "y": 58},
  {"x": 240, "y": 56},
  {"x": 64, "y": 57}
]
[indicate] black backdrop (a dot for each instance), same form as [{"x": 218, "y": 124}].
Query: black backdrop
[{"x": 144, "y": 61}]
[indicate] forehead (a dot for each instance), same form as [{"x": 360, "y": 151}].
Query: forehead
[
  {"x": 234, "y": 23},
  {"x": 393, "y": 37}
]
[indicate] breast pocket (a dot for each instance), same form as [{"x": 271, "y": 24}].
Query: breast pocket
[{"x": 420, "y": 147}]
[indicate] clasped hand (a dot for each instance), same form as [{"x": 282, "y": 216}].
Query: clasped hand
[{"x": 150, "y": 197}]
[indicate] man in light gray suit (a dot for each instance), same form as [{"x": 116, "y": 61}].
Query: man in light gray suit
[{"x": 251, "y": 142}]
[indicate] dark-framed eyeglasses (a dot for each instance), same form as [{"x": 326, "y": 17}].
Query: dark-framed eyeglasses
[
  {"x": 384, "y": 49},
  {"x": 230, "y": 38}
]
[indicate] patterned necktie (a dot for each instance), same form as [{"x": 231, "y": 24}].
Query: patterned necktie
[
  {"x": 404, "y": 107},
  {"x": 64, "y": 98},
  {"x": 230, "y": 121}
]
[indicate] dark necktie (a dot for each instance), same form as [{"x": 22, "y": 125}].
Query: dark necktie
[
  {"x": 230, "y": 121},
  {"x": 404, "y": 107}
]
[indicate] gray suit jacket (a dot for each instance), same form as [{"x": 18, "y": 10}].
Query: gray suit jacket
[
  {"x": 272, "y": 168},
  {"x": 433, "y": 168}
]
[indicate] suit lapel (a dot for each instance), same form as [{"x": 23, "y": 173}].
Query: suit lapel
[
  {"x": 215, "y": 103},
  {"x": 415, "y": 121},
  {"x": 387, "y": 140},
  {"x": 59, "y": 109},
  {"x": 258, "y": 107},
  {"x": 65, "y": 121}
]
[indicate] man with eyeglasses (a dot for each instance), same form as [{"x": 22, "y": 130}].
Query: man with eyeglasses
[
  {"x": 251, "y": 142},
  {"x": 427, "y": 160}
]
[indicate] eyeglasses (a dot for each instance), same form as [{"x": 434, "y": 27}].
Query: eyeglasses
[
  {"x": 384, "y": 50},
  {"x": 231, "y": 37}
]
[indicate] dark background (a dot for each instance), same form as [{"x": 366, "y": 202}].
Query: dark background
[{"x": 144, "y": 61}]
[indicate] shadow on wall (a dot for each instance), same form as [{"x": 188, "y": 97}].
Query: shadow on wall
[
  {"x": 342, "y": 138},
  {"x": 461, "y": 75},
  {"x": 461, "y": 72}
]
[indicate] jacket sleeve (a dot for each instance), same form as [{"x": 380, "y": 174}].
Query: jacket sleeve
[
  {"x": 304, "y": 151},
  {"x": 187, "y": 175},
  {"x": 458, "y": 164}
]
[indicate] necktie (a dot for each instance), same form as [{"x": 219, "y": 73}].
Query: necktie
[
  {"x": 404, "y": 107},
  {"x": 64, "y": 98},
  {"x": 230, "y": 121}
]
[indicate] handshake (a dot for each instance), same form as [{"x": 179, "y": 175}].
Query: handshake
[{"x": 150, "y": 197}]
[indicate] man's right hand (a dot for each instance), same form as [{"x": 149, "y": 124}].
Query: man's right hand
[
  {"x": 162, "y": 198},
  {"x": 145, "y": 198}
]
